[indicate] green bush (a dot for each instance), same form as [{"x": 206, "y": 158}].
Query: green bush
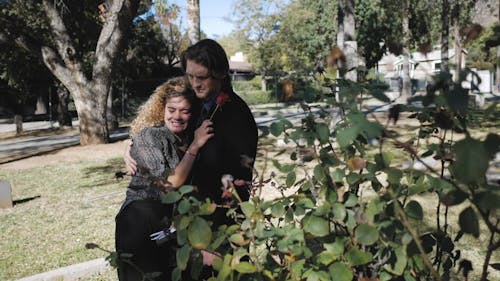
[
  {"x": 345, "y": 209},
  {"x": 251, "y": 93},
  {"x": 257, "y": 97}
]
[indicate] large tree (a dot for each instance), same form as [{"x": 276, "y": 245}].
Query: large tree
[
  {"x": 258, "y": 23},
  {"x": 307, "y": 32},
  {"x": 193, "y": 12},
  {"x": 64, "y": 53}
]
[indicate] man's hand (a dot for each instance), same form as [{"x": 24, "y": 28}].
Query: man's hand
[{"x": 130, "y": 163}]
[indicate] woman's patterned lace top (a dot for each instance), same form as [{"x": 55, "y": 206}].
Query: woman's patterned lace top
[{"x": 155, "y": 149}]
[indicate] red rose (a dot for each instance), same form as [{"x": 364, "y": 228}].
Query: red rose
[{"x": 222, "y": 98}]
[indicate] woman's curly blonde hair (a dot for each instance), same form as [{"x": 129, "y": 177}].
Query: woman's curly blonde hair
[{"x": 152, "y": 112}]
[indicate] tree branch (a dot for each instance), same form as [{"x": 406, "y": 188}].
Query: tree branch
[
  {"x": 65, "y": 48},
  {"x": 119, "y": 17}
]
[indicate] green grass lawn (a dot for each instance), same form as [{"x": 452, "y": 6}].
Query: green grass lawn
[{"x": 70, "y": 205}]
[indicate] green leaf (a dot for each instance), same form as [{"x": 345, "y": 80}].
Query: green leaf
[
  {"x": 176, "y": 274},
  {"x": 398, "y": 267},
  {"x": 315, "y": 275},
  {"x": 171, "y": 197},
  {"x": 207, "y": 208},
  {"x": 374, "y": 207},
  {"x": 414, "y": 210},
  {"x": 245, "y": 267},
  {"x": 323, "y": 132},
  {"x": 353, "y": 178},
  {"x": 277, "y": 210},
  {"x": 237, "y": 238},
  {"x": 472, "y": 161},
  {"x": 182, "y": 256},
  {"x": 336, "y": 248},
  {"x": 338, "y": 175},
  {"x": 383, "y": 160},
  {"x": 326, "y": 258},
  {"x": 303, "y": 203},
  {"x": 357, "y": 257},
  {"x": 346, "y": 136},
  {"x": 183, "y": 206},
  {"x": 185, "y": 189},
  {"x": 248, "y": 208},
  {"x": 488, "y": 200},
  {"x": 199, "y": 233},
  {"x": 290, "y": 179},
  {"x": 184, "y": 222},
  {"x": 319, "y": 172},
  {"x": 394, "y": 175},
  {"x": 277, "y": 128},
  {"x": 297, "y": 267},
  {"x": 380, "y": 95},
  {"x": 492, "y": 145},
  {"x": 366, "y": 234},
  {"x": 339, "y": 212},
  {"x": 371, "y": 129},
  {"x": 316, "y": 226},
  {"x": 340, "y": 272},
  {"x": 352, "y": 199},
  {"x": 468, "y": 222},
  {"x": 427, "y": 153},
  {"x": 454, "y": 197},
  {"x": 288, "y": 168}
]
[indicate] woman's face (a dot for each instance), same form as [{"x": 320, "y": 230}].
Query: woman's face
[{"x": 177, "y": 114}]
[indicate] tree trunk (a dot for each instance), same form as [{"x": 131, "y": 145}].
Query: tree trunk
[
  {"x": 497, "y": 82},
  {"x": 110, "y": 114},
  {"x": 340, "y": 37},
  {"x": 346, "y": 40},
  {"x": 406, "y": 89},
  {"x": 41, "y": 106},
  {"x": 340, "y": 24},
  {"x": 445, "y": 33},
  {"x": 63, "y": 115},
  {"x": 193, "y": 14},
  {"x": 350, "y": 43},
  {"x": 458, "y": 42},
  {"x": 497, "y": 79},
  {"x": 90, "y": 94}
]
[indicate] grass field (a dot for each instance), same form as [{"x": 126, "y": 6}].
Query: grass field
[{"x": 65, "y": 207}]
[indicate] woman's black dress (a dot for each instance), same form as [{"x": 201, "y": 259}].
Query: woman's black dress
[{"x": 155, "y": 150}]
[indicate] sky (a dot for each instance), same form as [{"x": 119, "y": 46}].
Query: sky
[{"x": 212, "y": 13}]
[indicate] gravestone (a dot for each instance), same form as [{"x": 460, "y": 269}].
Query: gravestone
[
  {"x": 5, "y": 194},
  {"x": 18, "y": 120}
]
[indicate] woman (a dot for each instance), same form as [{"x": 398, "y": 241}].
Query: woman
[{"x": 160, "y": 133}]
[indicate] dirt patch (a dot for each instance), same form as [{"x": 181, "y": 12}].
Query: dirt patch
[{"x": 70, "y": 155}]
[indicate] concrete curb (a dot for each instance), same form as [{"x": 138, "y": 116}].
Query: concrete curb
[{"x": 78, "y": 271}]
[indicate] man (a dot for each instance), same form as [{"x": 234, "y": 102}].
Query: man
[{"x": 235, "y": 132}]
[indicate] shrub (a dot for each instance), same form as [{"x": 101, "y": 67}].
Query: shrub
[{"x": 346, "y": 211}]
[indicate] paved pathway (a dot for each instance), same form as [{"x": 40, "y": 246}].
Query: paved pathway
[{"x": 18, "y": 148}]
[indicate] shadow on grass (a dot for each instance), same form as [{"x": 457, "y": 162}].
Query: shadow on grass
[
  {"x": 24, "y": 200},
  {"x": 113, "y": 171}
]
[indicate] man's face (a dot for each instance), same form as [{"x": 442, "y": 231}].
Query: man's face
[
  {"x": 177, "y": 114},
  {"x": 199, "y": 77}
]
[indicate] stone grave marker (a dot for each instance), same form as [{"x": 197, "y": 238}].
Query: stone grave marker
[{"x": 5, "y": 195}]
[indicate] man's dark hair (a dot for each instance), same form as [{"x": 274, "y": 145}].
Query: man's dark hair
[{"x": 210, "y": 54}]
